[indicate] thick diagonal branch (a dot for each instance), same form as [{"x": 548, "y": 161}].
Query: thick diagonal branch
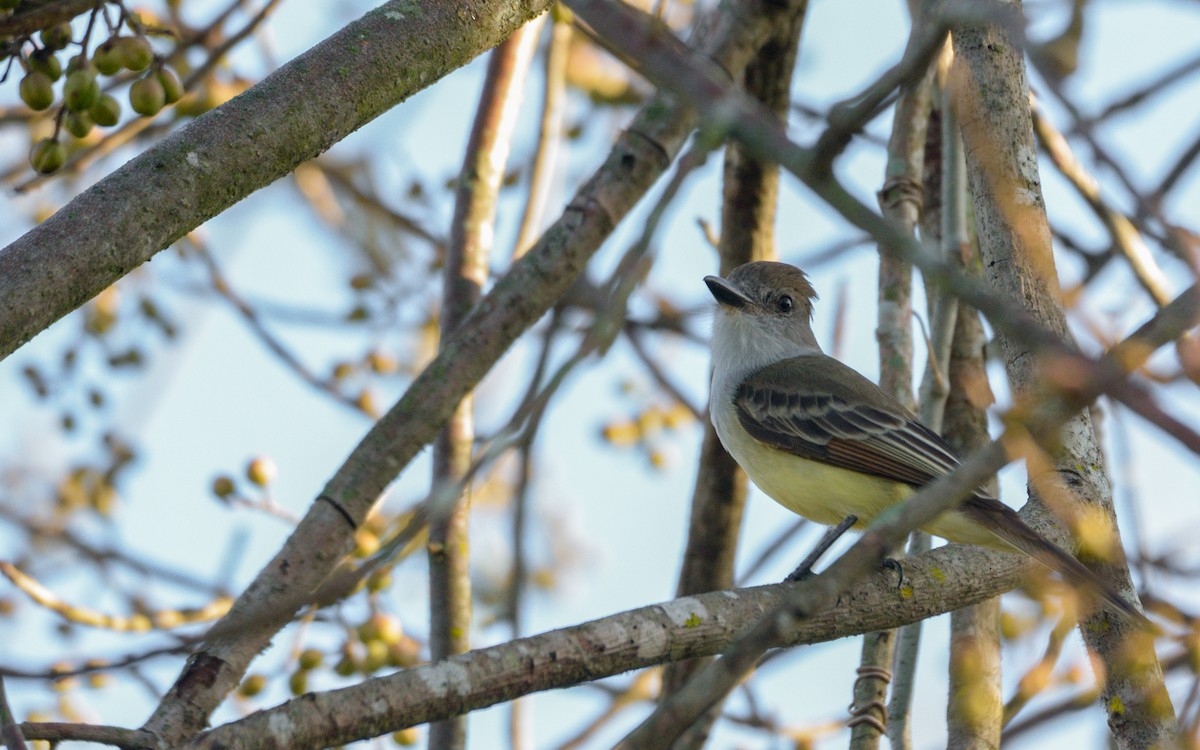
[{"x": 516, "y": 302}]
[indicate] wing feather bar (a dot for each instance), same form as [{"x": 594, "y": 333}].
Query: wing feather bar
[{"x": 857, "y": 428}]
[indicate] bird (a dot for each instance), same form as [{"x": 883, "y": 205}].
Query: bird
[{"x": 825, "y": 442}]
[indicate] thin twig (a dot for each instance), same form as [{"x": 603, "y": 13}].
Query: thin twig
[
  {"x": 771, "y": 548},
  {"x": 127, "y": 739},
  {"x": 223, "y": 288},
  {"x": 135, "y": 623},
  {"x": 1037, "y": 678},
  {"x": 10, "y": 731},
  {"x": 1177, "y": 170},
  {"x": 515, "y": 595},
  {"x": 466, "y": 272},
  {"x": 1125, "y": 235},
  {"x": 214, "y": 57},
  {"x": 106, "y": 555},
  {"x": 1156, "y": 86},
  {"x": 900, "y": 198},
  {"x": 92, "y": 666},
  {"x": 550, "y": 134},
  {"x": 634, "y": 335}
]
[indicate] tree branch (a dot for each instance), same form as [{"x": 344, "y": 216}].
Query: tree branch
[
  {"x": 688, "y": 627},
  {"x": 466, "y": 272},
  {"x": 247, "y": 143},
  {"x": 990, "y": 95}
]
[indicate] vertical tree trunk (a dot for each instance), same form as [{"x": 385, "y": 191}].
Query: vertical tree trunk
[{"x": 991, "y": 97}]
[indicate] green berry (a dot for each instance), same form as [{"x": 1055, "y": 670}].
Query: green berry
[
  {"x": 172, "y": 88},
  {"x": 57, "y": 36},
  {"x": 310, "y": 658},
  {"x": 78, "y": 62},
  {"x": 81, "y": 90},
  {"x": 345, "y": 667},
  {"x": 262, "y": 471},
  {"x": 223, "y": 486},
  {"x": 78, "y": 124},
  {"x": 378, "y": 581},
  {"x": 136, "y": 53},
  {"x": 45, "y": 61},
  {"x": 252, "y": 685},
  {"x": 37, "y": 90},
  {"x": 106, "y": 111},
  {"x": 377, "y": 656},
  {"x": 47, "y": 155},
  {"x": 108, "y": 57},
  {"x": 147, "y": 97}
]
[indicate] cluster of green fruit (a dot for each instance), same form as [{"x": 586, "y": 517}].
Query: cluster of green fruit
[{"x": 84, "y": 104}]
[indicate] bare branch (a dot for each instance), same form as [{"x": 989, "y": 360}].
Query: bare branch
[
  {"x": 466, "y": 272},
  {"x": 208, "y": 165},
  {"x": 688, "y": 627},
  {"x": 990, "y": 95}
]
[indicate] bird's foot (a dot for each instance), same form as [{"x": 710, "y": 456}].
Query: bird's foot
[
  {"x": 801, "y": 573},
  {"x": 890, "y": 563}
]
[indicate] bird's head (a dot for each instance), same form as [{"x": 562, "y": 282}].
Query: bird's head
[{"x": 764, "y": 312}]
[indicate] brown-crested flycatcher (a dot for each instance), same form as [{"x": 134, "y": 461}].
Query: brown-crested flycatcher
[{"x": 827, "y": 443}]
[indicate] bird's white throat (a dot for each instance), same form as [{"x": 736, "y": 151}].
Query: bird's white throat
[{"x": 743, "y": 343}]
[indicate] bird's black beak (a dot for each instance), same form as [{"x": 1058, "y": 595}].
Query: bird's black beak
[{"x": 726, "y": 293}]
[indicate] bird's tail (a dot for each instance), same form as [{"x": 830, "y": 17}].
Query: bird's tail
[{"x": 1003, "y": 522}]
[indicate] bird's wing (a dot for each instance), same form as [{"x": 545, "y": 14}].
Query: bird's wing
[{"x": 839, "y": 417}]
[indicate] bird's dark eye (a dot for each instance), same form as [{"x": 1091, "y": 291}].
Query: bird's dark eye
[{"x": 784, "y": 304}]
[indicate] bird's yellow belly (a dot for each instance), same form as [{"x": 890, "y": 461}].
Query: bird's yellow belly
[
  {"x": 827, "y": 494},
  {"x": 820, "y": 492}
]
